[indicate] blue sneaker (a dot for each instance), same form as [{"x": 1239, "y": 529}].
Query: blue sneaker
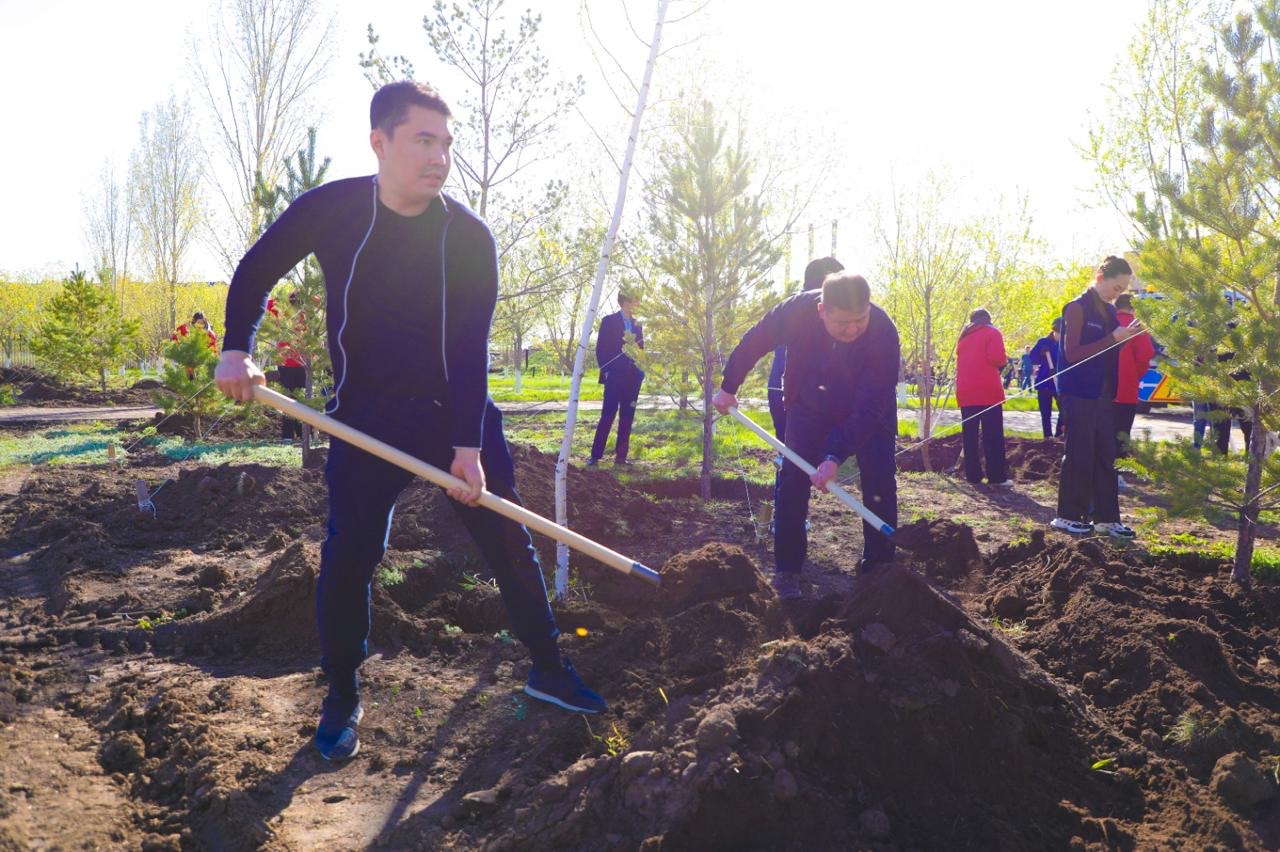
[
  {"x": 564, "y": 689},
  {"x": 337, "y": 736}
]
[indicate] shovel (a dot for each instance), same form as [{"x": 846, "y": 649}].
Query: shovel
[
  {"x": 418, "y": 467},
  {"x": 842, "y": 495}
]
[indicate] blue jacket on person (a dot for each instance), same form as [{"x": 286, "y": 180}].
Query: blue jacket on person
[
  {"x": 854, "y": 384},
  {"x": 1089, "y": 378},
  {"x": 1045, "y": 371},
  {"x": 614, "y": 363}
]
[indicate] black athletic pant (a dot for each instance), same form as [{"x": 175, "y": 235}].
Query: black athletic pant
[
  {"x": 985, "y": 430},
  {"x": 807, "y": 433},
  {"x": 1124, "y": 414},
  {"x": 1088, "y": 469},
  {"x": 1222, "y": 428},
  {"x": 1047, "y": 396},
  {"x": 362, "y": 495},
  {"x": 291, "y": 378}
]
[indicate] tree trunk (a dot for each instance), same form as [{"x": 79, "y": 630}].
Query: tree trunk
[
  {"x": 102, "y": 378},
  {"x": 1242, "y": 572},
  {"x": 684, "y": 394},
  {"x": 708, "y": 428},
  {"x": 307, "y": 451},
  {"x": 588, "y": 322}
]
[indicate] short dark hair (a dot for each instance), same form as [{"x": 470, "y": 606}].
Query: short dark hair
[
  {"x": 820, "y": 269},
  {"x": 197, "y": 316},
  {"x": 846, "y": 291},
  {"x": 625, "y": 298},
  {"x": 1057, "y": 324},
  {"x": 1113, "y": 266},
  {"x": 1124, "y": 301},
  {"x": 390, "y": 105}
]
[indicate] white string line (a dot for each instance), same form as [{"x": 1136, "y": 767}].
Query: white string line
[{"x": 176, "y": 409}]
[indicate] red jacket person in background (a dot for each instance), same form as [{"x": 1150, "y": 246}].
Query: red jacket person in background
[
  {"x": 980, "y": 356},
  {"x": 1135, "y": 359}
]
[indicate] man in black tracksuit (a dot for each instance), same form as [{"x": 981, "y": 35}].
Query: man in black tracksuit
[
  {"x": 840, "y": 394},
  {"x": 411, "y": 280},
  {"x": 621, "y": 377}
]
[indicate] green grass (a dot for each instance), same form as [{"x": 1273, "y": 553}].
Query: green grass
[
  {"x": 86, "y": 443},
  {"x": 1266, "y": 559},
  {"x": 544, "y": 387},
  {"x": 667, "y": 443},
  {"x": 1013, "y": 403}
]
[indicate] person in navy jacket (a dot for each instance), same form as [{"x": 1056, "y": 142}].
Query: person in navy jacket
[
  {"x": 1088, "y": 377},
  {"x": 840, "y": 390},
  {"x": 621, "y": 377},
  {"x": 411, "y": 278}
]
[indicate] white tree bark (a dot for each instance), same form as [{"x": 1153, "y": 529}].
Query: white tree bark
[{"x": 588, "y": 322}]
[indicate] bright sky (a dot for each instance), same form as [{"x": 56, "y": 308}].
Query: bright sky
[{"x": 997, "y": 92}]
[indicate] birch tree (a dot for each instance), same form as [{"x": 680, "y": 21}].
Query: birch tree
[
  {"x": 165, "y": 177},
  {"x": 109, "y": 229},
  {"x": 588, "y": 321},
  {"x": 256, "y": 70}
]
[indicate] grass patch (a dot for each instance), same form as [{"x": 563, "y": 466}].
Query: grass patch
[
  {"x": 1013, "y": 629},
  {"x": 1188, "y": 549},
  {"x": 541, "y": 388},
  {"x": 86, "y": 443},
  {"x": 1012, "y": 403}
]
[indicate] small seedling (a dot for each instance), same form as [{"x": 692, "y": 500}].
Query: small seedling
[
  {"x": 452, "y": 629},
  {"x": 417, "y": 712},
  {"x": 1171, "y": 638},
  {"x": 482, "y": 699},
  {"x": 521, "y": 709},
  {"x": 395, "y": 691},
  {"x": 1012, "y": 629},
  {"x": 471, "y": 582}
]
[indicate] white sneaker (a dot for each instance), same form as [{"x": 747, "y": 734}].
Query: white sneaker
[
  {"x": 1073, "y": 527},
  {"x": 1116, "y": 529},
  {"x": 1007, "y": 483}
]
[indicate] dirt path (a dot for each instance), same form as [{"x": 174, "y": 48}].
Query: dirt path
[{"x": 26, "y": 415}]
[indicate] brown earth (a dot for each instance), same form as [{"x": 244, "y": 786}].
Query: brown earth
[
  {"x": 958, "y": 700},
  {"x": 1028, "y": 459},
  {"x": 40, "y": 390}
]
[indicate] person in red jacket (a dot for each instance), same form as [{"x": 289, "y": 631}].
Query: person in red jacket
[
  {"x": 291, "y": 370},
  {"x": 1135, "y": 359},
  {"x": 980, "y": 357}
]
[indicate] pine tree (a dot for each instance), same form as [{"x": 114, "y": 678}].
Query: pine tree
[
  {"x": 84, "y": 334},
  {"x": 1217, "y": 262},
  {"x": 188, "y": 376},
  {"x": 713, "y": 252},
  {"x": 304, "y": 325}
]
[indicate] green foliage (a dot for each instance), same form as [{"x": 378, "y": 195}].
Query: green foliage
[
  {"x": 7, "y": 395},
  {"x": 83, "y": 333},
  {"x": 1213, "y": 232},
  {"x": 188, "y": 375},
  {"x": 713, "y": 253}
]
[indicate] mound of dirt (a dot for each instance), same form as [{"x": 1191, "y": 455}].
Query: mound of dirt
[
  {"x": 902, "y": 722},
  {"x": 42, "y": 390},
  {"x": 1027, "y": 459},
  {"x": 943, "y": 548},
  {"x": 1173, "y": 659}
]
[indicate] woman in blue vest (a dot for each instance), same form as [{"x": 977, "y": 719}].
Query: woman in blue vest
[{"x": 1088, "y": 371}]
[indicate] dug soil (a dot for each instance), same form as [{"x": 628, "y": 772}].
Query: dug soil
[
  {"x": 33, "y": 388},
  {"x": 1027, "y": 459},
  {"x": 158, "y": 686}
]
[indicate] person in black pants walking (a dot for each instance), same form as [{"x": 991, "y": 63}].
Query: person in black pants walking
[
  {"x": 1045, "y": 357},
  {"x": 411, "y": 277},
  {"x": 621, "y": 377},
  {"x": 979, "y": 356},
  {"x": 840, "y": 392},
  {"x": 1088, "y": 358}
]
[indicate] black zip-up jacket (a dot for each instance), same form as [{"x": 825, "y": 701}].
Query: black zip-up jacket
[
  {"x": 610, "y": 356},
  {"x": 410, "y": 299},
  {"x": 854, "y": 384}
]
